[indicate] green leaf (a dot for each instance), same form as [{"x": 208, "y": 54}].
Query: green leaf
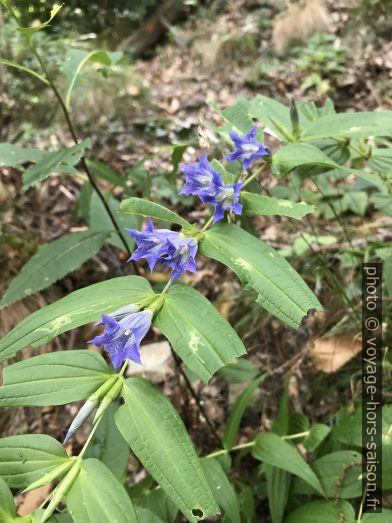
[
  {"x": 26, "y": 458},
  {"x": 55, "y": 378},
  {"x": 280, "y": 289},
  {"x": 109, "y": 446},
  {"x": 273, "y": 450},
  {"x": 350, "y": 125},
  {"x": 106, "y": 173},
  {"x": 236, "y": 117},
  {"x": 148, "y": 209},
  {"x": 323, "y": 512},
  {"x": 317, "y": 434},
  {"x": 25, "y": 69},
  {"x": 341, "y": 468},
  {"x": 7, "y": 505},
  {"x": 52, "y": 262},
  {"x": 156, "y": 434},
  {"x": 384, "y": 517},
  {"x": 381, "y": 159},
  {"x": 97, "y": 496},
  {"x": 274, "y": 115},
  {"x": 28, "y": 32},
  {"x": 198, "y": 333},
  {"x": 100, "y": 221},
  {"x": 78, "y": 308},
  {"x": 238, "y": 410},
  {"x": 268, "y": 206},
  {"x": 76, "y": 59},
  {"x": 238, "y": 371},
  {"x": 291, "y": 156},
  {"x": 155, "y": 507},
  {"x": 14, "y": 156},
  {"x": 223, "y": 490},
  {"x": 62, "y": 161},
  {"x": 278, "y": 488}
]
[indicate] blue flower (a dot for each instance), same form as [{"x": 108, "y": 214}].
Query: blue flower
[
  {"x": 226, "y": 197},
  {"x": 151, "y": 243},
  {"x": 199, "y": 177},
  {"x": 247, "y": 149},
  {"x": 121, "y": 338},
  {"x": 165, "y": 246}
]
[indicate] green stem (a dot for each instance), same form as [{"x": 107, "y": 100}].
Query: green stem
[
  {"x": 207, "y": 224},
  {"x": 256, "y": 173},
  {"x": 167, "y": 286},
  {"x": 226, "y": 451},
  {"x": 295, "y": 436},
  {"x": 74, "y": 137}
]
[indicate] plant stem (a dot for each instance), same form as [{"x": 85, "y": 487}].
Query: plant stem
[
  {"x": 74, "y": 137},
  {"x": 207, "y": 224},
  {"x": 226, "y": 451},
  {"x": 256, "y": 173},
  {"x": 167, "y": 286},
  {"x": 90, "y": 437},
  {"x": 295, "y": 436},
  {"x": 195, "y": 396}
]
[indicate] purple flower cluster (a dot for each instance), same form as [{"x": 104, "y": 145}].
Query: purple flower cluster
[
  {"x": 165, "y": 246},
  {"x": 203, "y": 181}
]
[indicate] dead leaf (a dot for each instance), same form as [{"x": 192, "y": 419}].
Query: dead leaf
[
  {"x": 33, "y": 500},
  {"x": 331, "y": 353}
]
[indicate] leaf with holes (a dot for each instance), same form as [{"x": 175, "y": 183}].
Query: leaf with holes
[
  {"x": 78, "y": 308},
  {"x": 157, "y": 435},
  {"x": 280, "y": 289},
  {"x": 198, "y": 333},
  {"x": 55, "y": 378},
  {"x": 52, "y": 262}
]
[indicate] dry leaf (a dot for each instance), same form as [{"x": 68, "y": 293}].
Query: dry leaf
[
  {"x": 331, "y": 353},
  {"x": 33, "y": 500}
]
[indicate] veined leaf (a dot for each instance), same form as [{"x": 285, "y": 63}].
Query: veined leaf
[
  {"x": 268, "y": 206},
  {"x": 28, "y": 32},
  {"x": 26, "y": 458},
  {"x": 7, "y": 505},
  {"x": 97, "y": 496},
  {"x": 55, "y": 378},
  {"x": 156, "y": 434},
  {"x": 109, "y": 446},
  {"x": 239, "y": 370},
  {"x": 280, "y": 289},
  {"x": 292, "y": 155},
  {"x": 78, "y": 308},
  {"x": 52, "y": 262},
  {"x": 201, "y": 336},
  {"x": 323, "y": 512},
  {"x": 76, "y": 59},
  {"x": 238, "y": 410},
  {"x": 14, "y": 156},
  {"x": 223, "y": 490},
  {"x": 155, "y": 507},
  {"x": 148, "y": 209},
  {"x": 62, "y": 161},
  {"x": 349, "y": 125},
  {"x": 273, "y": 450}
]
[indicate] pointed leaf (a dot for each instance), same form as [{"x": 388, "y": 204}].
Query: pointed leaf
[
  {"x": 155, "y": 507},
  {"x": 55, "y": 378},
  {"x": 238, "y": 410},
  {"x": 149, "y": 209},
  {"x": 323, "y": 512},
  {"x": 268, "y": 206},
  {"x": 14, "y": 156},
  {"x": 57, "y": 161},
  {"x": 156, "y": 434},
  {"x": 223, "y": 490},
  {"x": 52, "y": 262},
  {"x": 97, "y": 496},
  {"x": 26, "y": 458},
  {"x": 7, "y": 505},
  {"x": 76, "y": 309},
  {"x": 201, "y": 336},
  {"x": 280, "y": 289},
  {"x": 273, "y": 450}
]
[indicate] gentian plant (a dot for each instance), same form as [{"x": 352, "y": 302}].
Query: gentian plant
[{"x": 90, "y": 486}]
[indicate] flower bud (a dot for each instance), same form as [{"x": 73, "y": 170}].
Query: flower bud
[
  {"x": 109, "y": 398},
  {"x": 294, "y": 118},
  {"x": 48, "y": 478},
  {"x": 61, "y": 490},
  {"x": 81, "y": 417}
]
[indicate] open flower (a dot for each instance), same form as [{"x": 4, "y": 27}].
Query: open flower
[
  {"x": 199, "y": 177},
  {"x": 121, "y": 338},
  {"x": 164, "y": 246},
  {"x": 225, "y": 198},
  {"x": 247, "y": 149}
]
